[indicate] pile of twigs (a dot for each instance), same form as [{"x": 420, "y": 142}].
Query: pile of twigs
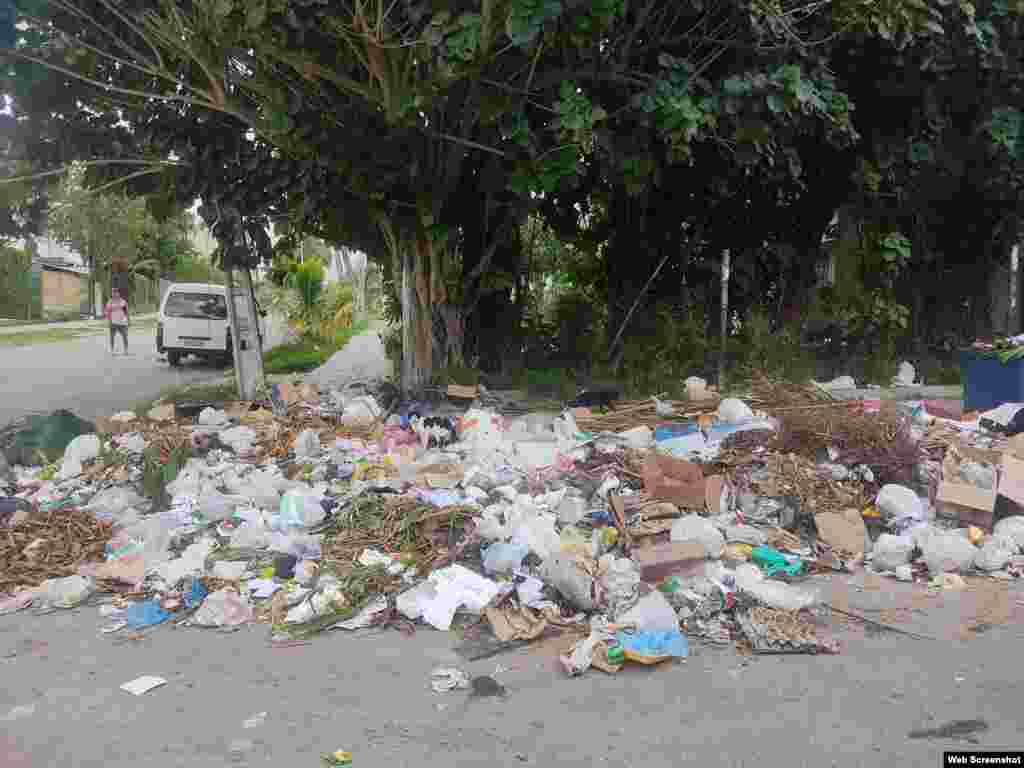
[
  {"x": 50, "y": 545},
  {"x": 399, "y": 525},
  {"x": 771, "y": 395},
  {"x": 635, "y": 413}
]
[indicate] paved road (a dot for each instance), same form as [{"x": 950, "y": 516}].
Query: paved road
[
  {"x": 82, "y": 375},
  {"x": 368, "y": 693}
]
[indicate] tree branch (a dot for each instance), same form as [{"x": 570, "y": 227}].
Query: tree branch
[{"x": 163, "y": 165}]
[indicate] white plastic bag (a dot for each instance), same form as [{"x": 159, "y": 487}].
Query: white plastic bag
[
  {"x": 224, "y": 608},
  {"x": 212, "y": 417},
  {"x": 300, "y": 508},
  {"x": 652, "y": 613},
  {"x": 68, "y": 592},
  {"x": 995, "y": 553},
  {"x": 774, "y": 594},
  {"x": 114, "y": 504},
  {"x": 504, "y": 558},
  {"x": 562, "y": 574},
  {"x": 620, "y": 584},
  {"x": 307, "y": 444},
  {"x": 949, "y": 553},
  {"x": 890, "y": 552},
  {"x": 899, "y": 503},
  {"x": 239, "y": 439},
  {"x": 538, "y": 534},
  {"x": 733, "y": 411},
  {"x": 80, "y": 450},
  {"x": 701, "y": 530},
  {"x": 1013, "y": 528}
]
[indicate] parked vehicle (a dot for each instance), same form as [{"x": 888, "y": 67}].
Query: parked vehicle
[{"x": 194, "y": 321}]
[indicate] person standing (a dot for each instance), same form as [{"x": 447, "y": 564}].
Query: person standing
[{"x": 116, "y": 313}]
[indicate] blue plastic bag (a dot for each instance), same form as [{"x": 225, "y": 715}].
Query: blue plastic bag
[
  {"x": 504, "y": 558},
  {"x": 195, "y": 594},
  {"x": 652, "y": 647},
  {"x": 147, "y": 613}
]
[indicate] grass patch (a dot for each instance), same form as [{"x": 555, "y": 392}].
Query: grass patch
[
  {"x": 55, "y": 335},
  {"x": 222, "y": 391},
  {"x": 308, "y": 353}
]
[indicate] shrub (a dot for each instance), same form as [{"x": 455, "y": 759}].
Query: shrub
[{"x": 308, "y": 279}]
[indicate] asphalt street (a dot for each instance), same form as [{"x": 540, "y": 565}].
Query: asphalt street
[
  {"x": 84, "y": 377},
  {"x": 232, "y": 699}
]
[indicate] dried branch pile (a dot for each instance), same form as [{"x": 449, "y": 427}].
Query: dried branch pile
[
  {"x": 50, "y": 545},
  {"x": 419, "y": 533}
]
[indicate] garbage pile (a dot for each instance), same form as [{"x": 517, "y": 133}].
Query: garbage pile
[{"x": 712, "y": 520}]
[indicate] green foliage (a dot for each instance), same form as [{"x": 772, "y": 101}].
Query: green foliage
[
  {"x": 526, "y": 19},
  {"x": 462, "y": 44},
  {"x": 463, "y": 375},
  {"x": 308, "y": 280},
  {"x": 16, "y": 296},
  {"x": 777, "y": 352},
  {"x": 559, "y": 382},
  {"x": 663, "y": 350},
  {"x": 192, "y": 268},
  {"x": 310, "y": 352}
]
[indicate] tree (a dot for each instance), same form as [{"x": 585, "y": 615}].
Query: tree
[{"x": 425, "y": 136}]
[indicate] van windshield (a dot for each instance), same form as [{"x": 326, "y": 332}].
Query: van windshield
[{"x": 197, "y": 306}]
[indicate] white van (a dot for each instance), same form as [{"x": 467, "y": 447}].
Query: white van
[{"x": 194, "y": 321}]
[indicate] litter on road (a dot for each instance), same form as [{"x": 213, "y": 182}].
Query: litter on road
[{"x": 617, "y": 532}]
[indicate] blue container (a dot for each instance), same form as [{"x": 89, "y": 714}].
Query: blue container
[{"x": 988, "y": 383}]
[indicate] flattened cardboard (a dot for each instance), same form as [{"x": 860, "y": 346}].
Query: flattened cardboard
[
  {"x": 1016, "y": 446},
  {"x": 713, "y": 493},
  {"x": 966, "y": 496},
  {"x": 1011, "y": 481}
]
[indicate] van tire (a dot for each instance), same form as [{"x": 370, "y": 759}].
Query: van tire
[
  {"x": 229, "y": 355},
  {"x": 174, "y": 358}
]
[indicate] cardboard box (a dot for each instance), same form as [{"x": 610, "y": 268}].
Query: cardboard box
[
  {"x": 1011, "y": 479},
  {"x": 969, "y": 505},
  {"x": 674, "y": 558}
]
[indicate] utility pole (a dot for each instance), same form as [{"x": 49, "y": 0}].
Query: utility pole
[{"x": 725, "y": 320}]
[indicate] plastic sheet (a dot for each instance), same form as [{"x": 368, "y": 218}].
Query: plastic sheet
[
  {"x": 653, "y": 647},
  {"x": 504, "y": 558}
]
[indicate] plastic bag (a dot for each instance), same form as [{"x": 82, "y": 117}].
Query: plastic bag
[
  {"x": 571, "y": 510},
  {"x": 746, "y": 534},
  {"x": 80, "y": 450},
  {"x": 653, "y": 647},
  {"x": 700, "y": 530},
  {"x": 504, "y": 558},
  {"x": 620, "y": 584},
  {"x": 899, "y": 505},
  {"x": 774, "y": 594},
  {"x": 68, "y": 592},
  {"x": 949, "y": 553},
  {"x": 733, "y": 411},
  {"x": 651, "y": 613},
  {"x": 562, "y": 574},
  {"x": 300, "y": 508},
  {"x": 890, "y": 552},
  {"x": 239, "y": 439},
  {"x": 538, "y": 534},
  {"x": 224, "y": 608},
  {"x": 115, "y": 504},
  {"x": 995, "y": 553},
  {"x": 299, "y": 546},
  {"x": 1013, "y": 528},
  {"x": 215, "y": 506},
  {"x": 307, "y": 444}
]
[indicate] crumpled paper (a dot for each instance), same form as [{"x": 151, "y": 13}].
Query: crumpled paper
[
  {"x": 223, "y": 608},
  {"x": 580, "y": 658},
  {"x": 509, "y": 623},
  {"x": 443, "y": 680},
  {"x": 366, "y": 617}
]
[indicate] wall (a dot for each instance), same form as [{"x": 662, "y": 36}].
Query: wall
[{"x": 62, "y": 291}]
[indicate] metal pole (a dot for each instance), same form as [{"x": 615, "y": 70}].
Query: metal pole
[
  {"x": 229, "y": 280},
  {"x": 725, "y": 320}
]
